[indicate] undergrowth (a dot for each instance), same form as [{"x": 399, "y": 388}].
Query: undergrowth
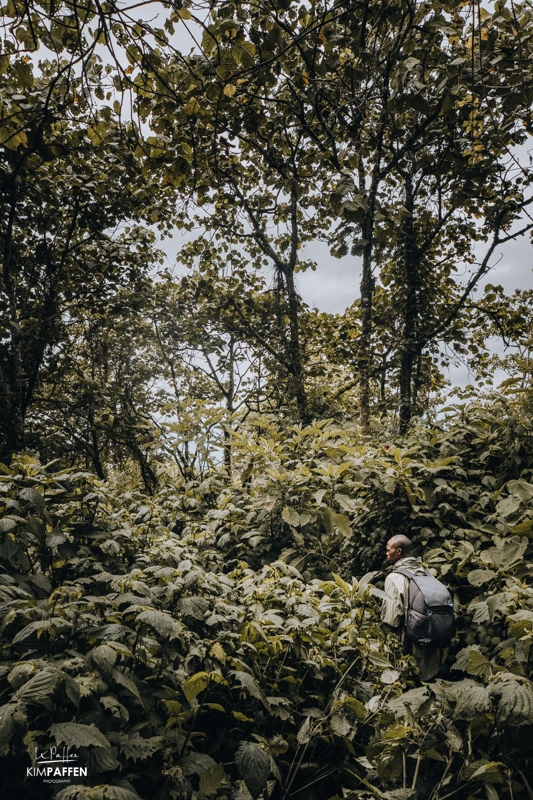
[{"x": 222, "y": 639}]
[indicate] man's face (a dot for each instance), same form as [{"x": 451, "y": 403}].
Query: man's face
[{"x": 394, "y": 552}]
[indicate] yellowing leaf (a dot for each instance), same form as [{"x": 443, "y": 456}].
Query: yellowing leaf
[
  {"x": 525, "y": 528},
  {"x": 477, "y": 664},
  {"x": 192, "y": 107},
  {"x": 396, "y": 732},
  {"x": 291, "y": 516},
  {"x": 229, "y": 90},
  {"x": 343, "y": 524},
  {"x": 23, "y": 139},
  {"x": 342, "y": 584},
  {"x": 242, "y": 717},
  {"x": 195, "y": 684},
  {"x": 355, "y": 706},
  {"x": 216, "y": 707},
  {"x": 217, "y": 651}
]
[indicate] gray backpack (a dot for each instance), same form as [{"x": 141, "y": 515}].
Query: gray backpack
[{"x": 430, "y": 617}]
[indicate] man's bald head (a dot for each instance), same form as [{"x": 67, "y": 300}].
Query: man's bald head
[{"x": 398, "y": 547}]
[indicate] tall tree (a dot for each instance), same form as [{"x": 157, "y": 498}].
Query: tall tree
[
  {"x": 63, "y": 235},
  {"x": 205, "y": 352},
  {"x": 431, "y": 235}
]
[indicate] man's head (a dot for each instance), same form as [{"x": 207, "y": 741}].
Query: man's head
[{"x": 398, "y": 547}]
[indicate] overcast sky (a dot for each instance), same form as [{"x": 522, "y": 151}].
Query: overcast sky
[{"x": 335, "y": 284}]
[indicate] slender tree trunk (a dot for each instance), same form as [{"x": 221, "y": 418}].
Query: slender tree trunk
[
  {"x": 364, "y": 355},
  {"x": 406, "y": 368},
  {"x": 95, "y": 447},
  {"x": 367, "y": 287},
  {"x": 230, "y": 397},
  {"x": 383, "y": 383},
  {"x": 148, "y": 475},
  {"x": 296, "y": 382},
  {"x": 416, "y": 380},
  {"x": 410, "y": 309},
  {"x": 12, "y": 400},
  {"x": 291, "y": 359}
]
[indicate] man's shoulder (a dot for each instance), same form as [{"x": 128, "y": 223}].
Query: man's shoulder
[
  {"x": 400, "y": 581},
  {"x": 410, "y": 564},
  {"x": 395, "y": 579}
]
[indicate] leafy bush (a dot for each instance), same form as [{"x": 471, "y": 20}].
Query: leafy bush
[{"x": 210, "y": 641}]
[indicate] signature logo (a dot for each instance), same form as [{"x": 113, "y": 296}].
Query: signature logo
[{"x": 56, "y": 763}]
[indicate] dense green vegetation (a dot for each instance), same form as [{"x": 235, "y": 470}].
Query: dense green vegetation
[
  {"x": 199, "y": 474},
  {"x": 214, "y": 633}
]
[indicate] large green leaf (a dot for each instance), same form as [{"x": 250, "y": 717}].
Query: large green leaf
[
  {"x": 480, "y": 576},
  {"x": 39, "y": 689},
  {"x": 138, "y": 748},
  {"x": 522, "y": 489},
  {"x": 196, "y": 607},
  {"x": 100, "y": 759},
  {"x": 104, "y": 657},
  {"x": 515, "y": 705},
  {"x": 249, "y": 683},
  {"x": 253, "y": 763},
  {"x": 211, "y": 779},
  {"x": 163, "y": 623},
  {"x": 128, "y": 683},
  {"x": 34, "y": 497},
  {"x": 291, "y": 516},
  {"x": 73, "y": 734},
  {"x": 472, "y": 702}
]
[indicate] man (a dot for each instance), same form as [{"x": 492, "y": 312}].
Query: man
[{"x": 394, "y": 611}]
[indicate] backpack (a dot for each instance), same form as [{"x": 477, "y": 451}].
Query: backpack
[{"x": 430, "y": 618}]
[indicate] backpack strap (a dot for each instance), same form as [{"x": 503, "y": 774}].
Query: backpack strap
[{"x": 410, "y": 575}]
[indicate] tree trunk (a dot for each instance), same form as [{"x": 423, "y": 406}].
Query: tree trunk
[
  {"x": 12, "y": 428},
  {"x": 12, "y": 378},
  {"x": 406, "y": 368},
  {"x": 291, "y": 358},
  {"x": 411, "y": 276},
  {"x": 364, "y": 355},
  {"x": 296, "y": 382},
  {"x": 415, "y": 389},
  {"x": 96, "y": 455},
  {"x": 230, "y": 396},
  {"x": 364, "y": 359}
]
